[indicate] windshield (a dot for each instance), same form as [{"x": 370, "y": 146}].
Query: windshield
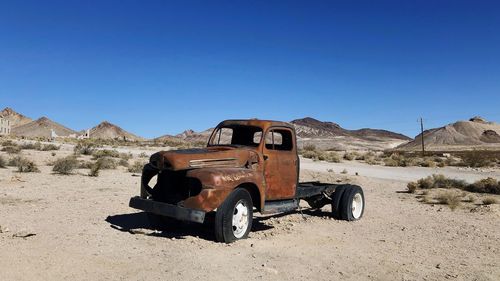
[{"x": 236, "y": 135}]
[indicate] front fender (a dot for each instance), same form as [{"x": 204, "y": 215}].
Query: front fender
[{"x": 218, "y": 183}]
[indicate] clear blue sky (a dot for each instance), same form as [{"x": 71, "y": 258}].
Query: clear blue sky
[{"x": 157, "y": 67}]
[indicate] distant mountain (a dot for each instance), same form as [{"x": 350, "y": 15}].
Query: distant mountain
[
  {"x": 475, "y": 133},
  {"x": 310, "y": 127},
  {"x": 16, "y": 119},
  {"x": 329, "y": 135},
  {"x": 188, "y": 136},
  {"x": 106, "y": 130},
  {"x": 41, "y": 127}
]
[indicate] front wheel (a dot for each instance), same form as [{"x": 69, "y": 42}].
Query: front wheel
[{"x": 233, "y": 220}]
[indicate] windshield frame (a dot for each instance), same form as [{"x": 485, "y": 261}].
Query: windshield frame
[{"x": 214, "y": 134}]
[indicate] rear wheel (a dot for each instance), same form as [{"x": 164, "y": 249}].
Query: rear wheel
[
  {"x": 233, "y": 219},
  {"x": 337, "y": 201},
  {"x": 352, "y": 203}
]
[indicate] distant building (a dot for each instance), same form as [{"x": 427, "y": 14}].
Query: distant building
[
  {"x": 53, "y": 134},
  {"x": 86, "y": 135},
  {"x": 4, "y": 127}
]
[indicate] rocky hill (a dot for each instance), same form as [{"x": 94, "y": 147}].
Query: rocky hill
[
  {"x": 16, "y": 119},
  {"x": 106, "y": 130},
  {"x": 42, "y": 127},
  {"x": 310, "y": 127},
  {"x": 474, "y": 133},
  {"x": 329, "y": 135}
]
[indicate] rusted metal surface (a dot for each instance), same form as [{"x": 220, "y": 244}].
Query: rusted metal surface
[{"x": 252, "y": 161}]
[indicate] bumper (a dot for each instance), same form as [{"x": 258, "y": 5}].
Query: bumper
[{"x": 167, "y": 210}]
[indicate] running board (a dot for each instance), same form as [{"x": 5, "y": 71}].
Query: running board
[{"x": 281, "y": 206}]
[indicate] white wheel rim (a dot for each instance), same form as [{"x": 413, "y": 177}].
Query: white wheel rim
[
  {"x": 357, "y": 205},
  {"x": 240, "y": 219}
]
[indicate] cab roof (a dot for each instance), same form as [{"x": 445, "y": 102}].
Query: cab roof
[{"x": 264, "y": 124}]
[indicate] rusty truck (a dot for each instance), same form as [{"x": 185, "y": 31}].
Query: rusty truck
[{"x": 247, "y": 166}]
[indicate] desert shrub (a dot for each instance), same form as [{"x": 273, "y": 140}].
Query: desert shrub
[
  {"x": 391, "y": 162},
  {"x": 440, "y": 181},
  {"x": 477, "y": 159},
  {"x": 125, "y": 156},
  {"x": 85, "y": 147},
  {"x": 469, "y": 199},
  {"x": 330, "y": 157},
  {"x": 489, "y": 201},
  {"x": 143, "y": 155},
  {"x": 309, "y": 147},
  {"x": 412, "y": 187},
  {"x": 85, "y": 164},
  {"x": 8, "y": 143},
  {"x": 14, "y": 149},
  {"x": 23, "y": 165},
  {"x": 428, "y": 163},
  {"x": 199, "y": 144},
  {"x": 14, "y": 161},
  {"x": 49, "y": 147},
  {"x": 311, "y": 154},
  {"x": 123, "y": 163},
  {"x": 365, "y": 156},
  {"x": 174, "y": 143},
  {"x": 488, "y": 185},
  {"x": 3, "y": 163},
  {"x": 65, "y": 166},
  {"x": 373, "y": 161},
  {"x": 31, "y": 146},
  {"x": 105, "y": 153},
  {"x": 450, "y": 198},
  {"x": 94, "y": 169},
  {"x": 107, "y": 163},
  {"x": 136, "y": 167},
  {"x": 350, "y": 156}
]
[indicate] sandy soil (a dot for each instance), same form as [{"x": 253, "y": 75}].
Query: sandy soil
[{"x": 81, "y": 228}]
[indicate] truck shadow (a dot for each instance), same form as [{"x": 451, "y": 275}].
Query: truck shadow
[{"x": 138, "y": 223}]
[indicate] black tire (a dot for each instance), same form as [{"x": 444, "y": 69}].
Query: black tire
[
  {"x": 161, "y": 223},
  {"x": 224, "y": 231},
  {"x": 336, "y": 201},
  {"x": 346, "y": 210}
]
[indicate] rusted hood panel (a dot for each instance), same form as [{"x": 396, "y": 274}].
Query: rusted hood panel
[
  {"x": 225, "y": 177},
  {"x": 210, "y": 157}
]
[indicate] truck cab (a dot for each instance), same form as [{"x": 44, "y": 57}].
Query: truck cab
[{"x": 247, "y": 165}]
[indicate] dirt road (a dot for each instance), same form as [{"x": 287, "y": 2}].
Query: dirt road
[
  {"x": 80, "y": 228},
  {"x": 399, "y": 173}
]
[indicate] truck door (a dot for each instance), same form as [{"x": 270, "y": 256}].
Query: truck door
[{"x": 280, "y": 164}]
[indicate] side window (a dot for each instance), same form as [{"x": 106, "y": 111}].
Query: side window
[
  {"x": 279, "y": 139},
  {"x": 257, "y": 137}
]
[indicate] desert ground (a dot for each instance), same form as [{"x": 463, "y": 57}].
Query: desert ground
[{"x": 76, "y": 227}]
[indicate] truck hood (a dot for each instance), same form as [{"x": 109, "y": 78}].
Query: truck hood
[{"x": 209, "y": 157}]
